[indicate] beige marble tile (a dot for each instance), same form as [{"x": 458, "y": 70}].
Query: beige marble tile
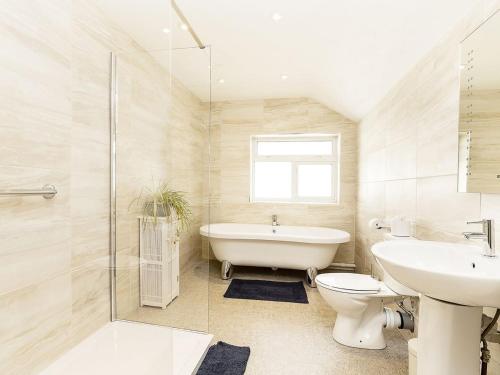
[
  {"x": 35, "y": 232},
  {"x": 54, "y": 64},
  {"x": 437, "y": 151},
  {"x": 408, "y": 142},
  {"x": 372, "y": 165},
  {"x": 36, "y": 34},
  {"x": 440, "y": 209},
  {"x": 35, "y": 129},
  {"x": 371, "y": 199},
  {"x": 90, "y": 298},
  {"x": 162, "y": 137},
  {"x": 55, "y": 130},
  {"x": 48, "y": 256},
  {"x": 401, "y": 160},
  {"x": 34, "y": 322},
  {"x": 401, "y": 198},
  {"x": 237, "y": 122},
  {"x": 89, "y": 239}
]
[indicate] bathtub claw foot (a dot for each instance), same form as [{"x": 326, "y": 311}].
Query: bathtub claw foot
[
  {"x": 311, "y": 274},
  {"x": 226, "y": 270}
]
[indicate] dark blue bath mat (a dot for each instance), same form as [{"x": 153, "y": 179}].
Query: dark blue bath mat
[
  {"x": 225, "y": 359},
  {"x": 264, "y": 290}
]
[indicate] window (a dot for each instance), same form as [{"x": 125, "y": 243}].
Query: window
[{"x": 298, "y": 168}]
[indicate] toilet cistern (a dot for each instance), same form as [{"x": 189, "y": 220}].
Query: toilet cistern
[{"x": 488, "y": 235}]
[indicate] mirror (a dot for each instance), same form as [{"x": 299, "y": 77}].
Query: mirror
[{"x": 479, "y": 128}]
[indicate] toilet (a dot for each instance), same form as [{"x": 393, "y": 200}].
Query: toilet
[{"x": 359, "y": 302}]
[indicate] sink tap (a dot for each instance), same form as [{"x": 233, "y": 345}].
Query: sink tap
[{"x": 488, "y": 235}]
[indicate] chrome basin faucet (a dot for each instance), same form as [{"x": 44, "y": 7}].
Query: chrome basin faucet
[{"x": 488, "y": 235}]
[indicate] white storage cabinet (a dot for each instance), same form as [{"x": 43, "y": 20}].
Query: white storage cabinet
[{"x": 159, "y": 261}]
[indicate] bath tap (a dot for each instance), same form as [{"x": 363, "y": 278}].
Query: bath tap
[
  {"x": 488, "y": 235},
  {"x": 275, "y": 220}
]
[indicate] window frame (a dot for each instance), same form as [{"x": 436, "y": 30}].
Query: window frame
[{"x": 333, "y": 160}]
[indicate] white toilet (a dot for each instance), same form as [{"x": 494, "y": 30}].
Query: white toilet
[{"x": 359, "y": 302}]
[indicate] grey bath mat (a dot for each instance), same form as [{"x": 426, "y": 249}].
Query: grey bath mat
[
  {"x": 225, "y": 359},
  {"x": 264, "y": 290}
]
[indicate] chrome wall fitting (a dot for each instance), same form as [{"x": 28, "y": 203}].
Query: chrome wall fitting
[{"x": 47, "y": 191}]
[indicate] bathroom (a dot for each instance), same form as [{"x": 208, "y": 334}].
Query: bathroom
[{"x": 280, "y": 187}]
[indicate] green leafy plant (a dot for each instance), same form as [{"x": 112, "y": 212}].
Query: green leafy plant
[{"x": 161, "y": 201}]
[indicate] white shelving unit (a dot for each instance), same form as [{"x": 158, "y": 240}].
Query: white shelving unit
[{"x": 159, "y": 261}]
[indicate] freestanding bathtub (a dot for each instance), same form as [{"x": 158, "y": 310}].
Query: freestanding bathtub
[{"x": 300, "y": 248}]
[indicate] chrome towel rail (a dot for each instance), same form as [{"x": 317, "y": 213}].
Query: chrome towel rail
[{"x": 47, "y": 191}]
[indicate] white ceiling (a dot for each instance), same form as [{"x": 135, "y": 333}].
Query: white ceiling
[{"x": 346, "y": 54}]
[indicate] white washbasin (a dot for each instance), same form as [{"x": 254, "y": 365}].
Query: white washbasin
[{"x": 449, "y": 272}]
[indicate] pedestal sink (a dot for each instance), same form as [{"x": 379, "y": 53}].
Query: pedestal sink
[{"x": 455, "y": 281}]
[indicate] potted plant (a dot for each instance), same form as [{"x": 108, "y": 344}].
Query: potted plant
[{"x": 162, "y": 201}]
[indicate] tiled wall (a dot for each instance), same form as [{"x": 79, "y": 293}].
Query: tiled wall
[
  {"x": 162, "y": 136},
  {"x": 408, "y": 151},
  {"x": 233, "y": 123},
  {"x": 408, "y": 155},
  {"x": 54, "y": 128},
  {"x": 53, "y": 254}
]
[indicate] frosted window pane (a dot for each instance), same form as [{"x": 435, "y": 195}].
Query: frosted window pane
[
  {"x": 273, "y": 180},
  {"x": 314, "y": 180},
  {"x": 294, "y": 148}
]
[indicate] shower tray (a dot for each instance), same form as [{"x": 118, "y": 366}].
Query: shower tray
[{"x": 125, "y": 348}]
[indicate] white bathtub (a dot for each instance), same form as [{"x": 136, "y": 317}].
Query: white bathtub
[{"x": 300, "y": 248}]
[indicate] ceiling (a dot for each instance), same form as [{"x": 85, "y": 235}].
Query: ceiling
[{"x": 346, "y": 54}]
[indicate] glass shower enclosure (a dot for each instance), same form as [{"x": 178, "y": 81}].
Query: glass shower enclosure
[{"x": 160, "y": 122}]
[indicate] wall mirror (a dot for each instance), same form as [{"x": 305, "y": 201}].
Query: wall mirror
[{"x": 479, "y": 128}]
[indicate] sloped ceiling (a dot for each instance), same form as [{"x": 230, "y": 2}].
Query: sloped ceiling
[{"x": 346, "y": 54}]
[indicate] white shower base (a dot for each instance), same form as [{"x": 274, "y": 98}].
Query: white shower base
[{"x": 124, "y": 348}]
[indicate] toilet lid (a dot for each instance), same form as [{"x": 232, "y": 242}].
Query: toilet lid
[{"x": 349, "y": 282}]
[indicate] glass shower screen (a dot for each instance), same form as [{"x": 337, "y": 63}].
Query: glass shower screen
[{"x": 162, "y": 186}]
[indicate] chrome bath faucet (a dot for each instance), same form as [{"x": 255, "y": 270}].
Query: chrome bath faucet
[
  {"x": 275, "y": 220},
  {"x": 488, "y": 235}
]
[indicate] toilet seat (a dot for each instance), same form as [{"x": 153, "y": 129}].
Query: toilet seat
[{"x": 353, "y": 283}]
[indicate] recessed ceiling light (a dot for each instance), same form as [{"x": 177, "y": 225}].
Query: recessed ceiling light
[
  {"x": 284, "y": 77},
  {"x": 277, "y": 17},
  {"x": 462, "y": 66},
  {"x": 184, "y": 26},
  {"x": 221, "y": 80},
  {"x": 166, "y": 30}
]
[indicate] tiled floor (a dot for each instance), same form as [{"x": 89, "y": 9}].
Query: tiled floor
[
  {"x": 284, "y": 338},
  {"x": 494, "y": 365},
  {"x": 190, "y": 310}
]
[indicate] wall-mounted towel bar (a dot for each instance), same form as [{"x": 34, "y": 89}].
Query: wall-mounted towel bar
[{"x": 47, "y": 191}]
